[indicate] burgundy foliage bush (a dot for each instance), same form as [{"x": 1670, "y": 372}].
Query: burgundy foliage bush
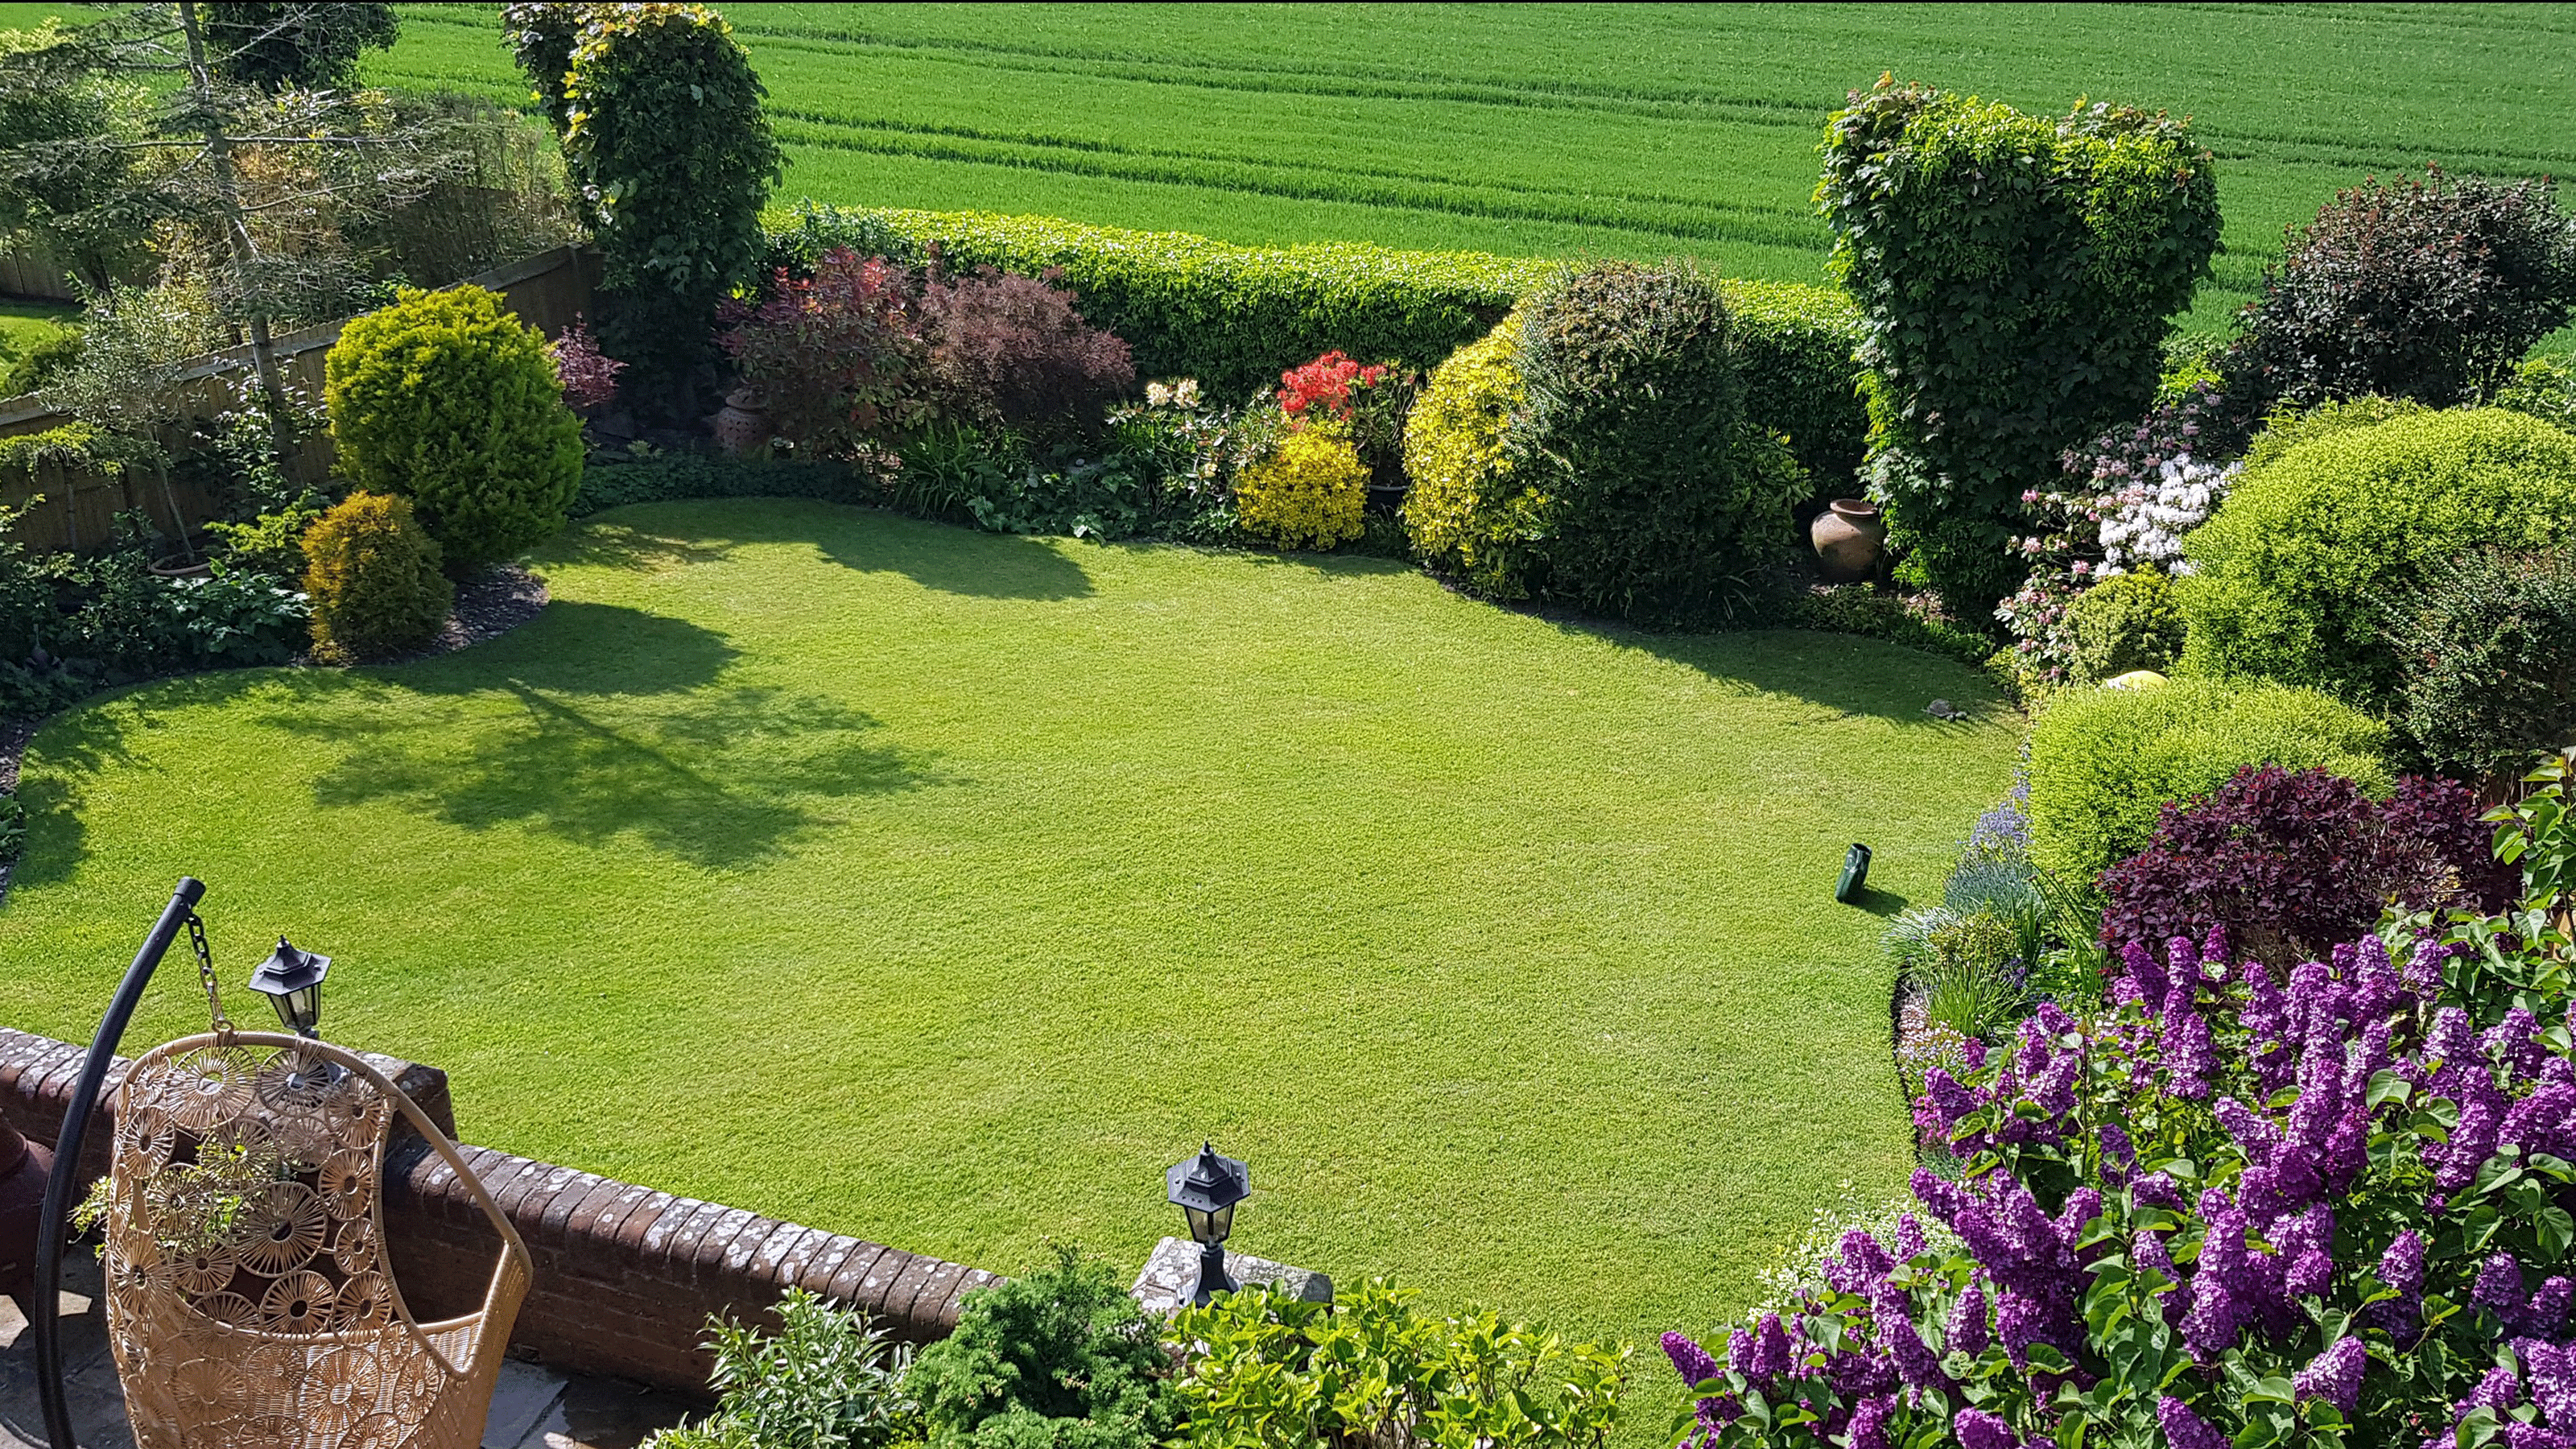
[
  {"x": 836, "y": 358},
  {"x": 1012, "y": 350},
  {"x": 2290, "y": 862},
  {"x": 589, "y": 375}
]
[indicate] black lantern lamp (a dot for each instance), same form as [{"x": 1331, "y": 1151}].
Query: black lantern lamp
[
  {"x": 1206, "y": 1188},
  {"x": 292, "y": 981},
  {"x": 1855, "y": 879}
]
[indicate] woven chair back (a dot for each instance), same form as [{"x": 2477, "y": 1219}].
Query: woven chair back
[{"x": 250, "y": 1303}]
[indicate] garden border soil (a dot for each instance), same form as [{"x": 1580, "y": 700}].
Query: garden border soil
[{"x": 487, "y": 608}]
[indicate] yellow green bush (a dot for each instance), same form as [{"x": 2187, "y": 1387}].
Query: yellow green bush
[
  {"x": 451, "y": 401},
  {"x": 373, "y": 575},
  {"x": 1465, "y": 513},
  {"x": 1306, "y": 494}
]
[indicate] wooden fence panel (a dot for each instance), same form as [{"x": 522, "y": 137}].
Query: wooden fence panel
[
  {"x": 35, "y": 275},
  {"x": 548, "y": 291}
]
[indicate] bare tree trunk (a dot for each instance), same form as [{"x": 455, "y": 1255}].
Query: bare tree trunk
[{"x": 237, "y": 238}]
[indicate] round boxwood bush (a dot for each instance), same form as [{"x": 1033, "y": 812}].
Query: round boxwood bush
[
  {"x": 2297, "y": 570},
  {"x": 450, "y": 401},
  {"x": 2125, "y": 622},
  {"x": 1659, "y": 502},
  {"x": 2103, "y": 762},
  {"x": 1469, "y": 516},
  {"x": 372, "y": 573}
]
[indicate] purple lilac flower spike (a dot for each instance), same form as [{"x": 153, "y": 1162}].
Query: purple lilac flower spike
[
  {"x": 1917, "y": 1366},
  {"x": 1868, "y": 1428},
  {"x": 2548, "y": 1310},
  {"x": 2334, "y": 1375},
  {"x": 2552, "y": 1372},
  {"x": 1977, "y": 1429},
  {"x": 1770, "y": 1348},
  {"x": 2185, "y": 1429},
  {"x": 2498, "y": 1288},
  {"x": 2190, "y": 1054},
  {"x": 1969, "y": 1333},
  {"x": 2499, "y": 1390},
  {"x": 1692, "y": 1362},
  {"x": 1739, "y": 1353}
]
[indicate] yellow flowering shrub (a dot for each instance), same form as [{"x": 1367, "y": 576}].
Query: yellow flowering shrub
[
  {"x": 1464, "y": 513},
  {"x": 1307, "y": 493}
]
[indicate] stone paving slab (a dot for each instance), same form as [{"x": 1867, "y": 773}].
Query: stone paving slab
[{"x": 533, "y": 1407}]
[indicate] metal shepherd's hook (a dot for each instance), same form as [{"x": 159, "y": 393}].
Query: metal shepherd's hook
[{"x": 44, "y": 1315}]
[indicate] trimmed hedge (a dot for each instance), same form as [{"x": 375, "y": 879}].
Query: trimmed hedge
[
  {"x": 665, "y": 477},
  {"x": 1236, "y": 317},
  {"x": 2105, "y": 762}
]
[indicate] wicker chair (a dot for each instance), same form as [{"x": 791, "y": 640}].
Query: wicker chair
[{"x": 249, "y": 1301}]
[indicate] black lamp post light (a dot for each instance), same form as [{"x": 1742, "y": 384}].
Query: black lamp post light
[{"x": 1206, "y": 1188}]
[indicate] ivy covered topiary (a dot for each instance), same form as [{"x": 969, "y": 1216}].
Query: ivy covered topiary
[
  {"x": 1661, "y": 503},
  {"x": 372, "y": 573},
  {"x": 450, "y": 401},
  {"x": 663, "y": 130},
  {"x": 2015, "y": 275},
  {"x": 2125, "y": 622},
  {"x": 2489, "y": 660},
  {"x": 2298, "y": 569}
]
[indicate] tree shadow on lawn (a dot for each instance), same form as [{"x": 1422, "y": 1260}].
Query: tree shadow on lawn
[
  {"x": 724, "y": 780},
  {"x": 622, "y": 725}
]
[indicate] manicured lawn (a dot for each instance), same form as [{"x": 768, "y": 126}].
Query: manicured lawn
[
  {"x": 26, "y": 325},
  {"x": 1632, "y": 130},
  {"x": 943, "y": 887}
]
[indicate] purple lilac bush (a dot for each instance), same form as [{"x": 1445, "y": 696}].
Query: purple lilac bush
[{"x": 2235, "y": 1207}]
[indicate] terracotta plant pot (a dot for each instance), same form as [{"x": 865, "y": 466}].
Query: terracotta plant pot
[
  {"x": 1848, "y": 536},
  {"x": 742, "y": 427}
]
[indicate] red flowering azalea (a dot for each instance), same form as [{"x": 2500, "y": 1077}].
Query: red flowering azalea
[{"x": 1324, "y": 383}]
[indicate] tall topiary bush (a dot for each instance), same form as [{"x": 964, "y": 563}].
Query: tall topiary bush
[
  {"x": 2105, "y": 762},
  {"x": 373, "y": 575},
  {"x": 452, "y": 402},
  {"x": 2430, "y": 289},
  {"x": 2296, "y": 572},
  {"x": 1661, "y": 502},
  {"x": 2489, "y": 660},
  {"x": 2016, "y": 277},
  {"x": 663, "y": 130}
]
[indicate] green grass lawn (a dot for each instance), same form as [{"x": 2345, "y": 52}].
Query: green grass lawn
[
  {"x": 944, "y": 887},
  {"x": 26, "y": 325},
  {"x": 1549, "y": 130}
]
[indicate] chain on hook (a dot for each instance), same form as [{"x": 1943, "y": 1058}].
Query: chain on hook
[{"x": 206, "y": 974}]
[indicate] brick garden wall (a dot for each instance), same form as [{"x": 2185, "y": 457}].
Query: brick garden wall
[{"x": 625, "y": 1276}]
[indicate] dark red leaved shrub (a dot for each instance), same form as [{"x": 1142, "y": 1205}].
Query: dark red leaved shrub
[
  {"x": 589, "y": 375},
  {"x": 1013, "y": 350},
  {"x": 2292, "y": 862},
  {"x": 835, "y": 358}
]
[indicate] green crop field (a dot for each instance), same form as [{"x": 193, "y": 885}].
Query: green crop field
[{"x": 1549, "y": 130}]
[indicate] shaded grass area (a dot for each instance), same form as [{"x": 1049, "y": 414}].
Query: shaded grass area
[
  {"x": 1538, "y": 129},
  {"x": 26, "y": 325},
  {"x": 943, "y": 887}
]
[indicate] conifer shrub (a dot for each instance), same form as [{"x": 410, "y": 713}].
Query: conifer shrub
[
  {"x": 2297, "y": 570},
  {"x": 448, "y": 400},
  {"x": 372, "y": 573},
  {"x": 2105, "y": 762},
  {"x": 2488, "y": 656},
  {"x": 1662, "y": 503}
]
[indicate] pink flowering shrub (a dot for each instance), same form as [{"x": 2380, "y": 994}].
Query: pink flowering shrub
[{"x": 2235, "y": 1207}]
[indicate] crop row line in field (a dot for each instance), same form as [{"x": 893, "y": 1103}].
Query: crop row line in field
[
  {"x": 1745, "y": 224},
  {"x": 1046, "y": 141}
]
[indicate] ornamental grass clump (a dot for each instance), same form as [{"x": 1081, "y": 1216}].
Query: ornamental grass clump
[{"x": 2238, "y": 1206}]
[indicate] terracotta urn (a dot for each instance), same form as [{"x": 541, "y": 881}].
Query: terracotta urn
[
  {"x": 742, "y": 427},
  {"x": 1847, "y": 536},
  {"x": 23, "y": 1167}
]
